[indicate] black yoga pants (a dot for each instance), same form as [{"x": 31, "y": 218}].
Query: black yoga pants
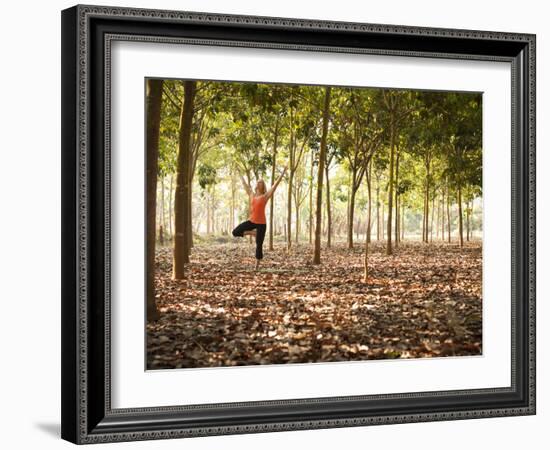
[{"x": 260, "y": 234}]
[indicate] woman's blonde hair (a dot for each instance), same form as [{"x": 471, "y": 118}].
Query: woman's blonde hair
[{"x": 264, "y": 189}]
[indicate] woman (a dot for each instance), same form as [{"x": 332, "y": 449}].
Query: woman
[{"x": 256, "y": 225}]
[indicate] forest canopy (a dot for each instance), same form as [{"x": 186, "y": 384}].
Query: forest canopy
[{"x": 417, "y": 150}]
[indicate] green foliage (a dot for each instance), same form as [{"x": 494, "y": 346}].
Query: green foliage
[
  {"x": 206, "y": 175},
  {"x": 438, "y": 137}
]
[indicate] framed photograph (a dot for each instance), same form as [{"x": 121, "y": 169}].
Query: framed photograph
[{"x": 278, "y": 224}]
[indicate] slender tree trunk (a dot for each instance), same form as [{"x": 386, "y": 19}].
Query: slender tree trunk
[
  {"x": 320, "y": 173},
  {"x": 397, "y": 196},
  {"x": 432, "y": 220},
  {"x": 324, "y": 224},
  {"x": 311, "y": 201},
  {"x": 378, "y": 209},
  {"x": 369, "y": 225},
  {"x": 213, "y": 212},
  {"x": 233, "y": 189},
  {"x": 427, "y": 201},
  {"x": 448, "y": 215},
  {"x": 273, "y": 166},
  {"x": 289, "y": 210},
  {"x": 208, "y": 213},
  {"x": 329, "y": 213},
  {"x": 389, "y": 249},
  {"x": 347, "y": 208},
  {"x": 424, "y": 216},
  {"x": 162, "y": 215},
  {"x": 292, "y": 150},
  {"x": 366, "y": 262},
  {"x": 351, "y": 211},
  {"x": 460, "y": 224},
  {"x": 438, "y": 216},
  {"x": 190, "y": 214},
  {"x": 170, "y": 205},
  {"x": 383, "y": 227},
  {"x": 402, "y": 222},
  {"x": 181, "y": 246},
  {"x": 297, "y": 214},
  {"x": 153, "y": 104},
  {"x": 468, "y": 212},
  {"x": 443, "y": 216}
]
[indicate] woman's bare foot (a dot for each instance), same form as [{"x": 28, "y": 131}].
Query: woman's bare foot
[
  {"x": 257, "y": 266},
  {"x": 249, "y": 233}
]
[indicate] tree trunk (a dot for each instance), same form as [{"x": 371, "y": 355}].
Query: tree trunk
[
  {"x": 153, "y": 104},
  {"x": 402, "y": 228},
  {"x": 443, "y": 215},
  {"x": 389, "y": 249},
  {"x": 438, "y": 216},
  {"x": 460, "y": 225},
  {"x": 190, "y": 214},
  {"x": 397, "y": 196},
  {"x": 366, "y": 263},
  {"x": 170, "y": 205},
  {"x": 297, "y": 214},
  {"x": 424, "y": 217},
  {"x": 329, "y": 214},
  {"x": 468, "y": 212},
  {"x": 320, "y": 173},
  {"x": 232, "y": 212},
  {"x": 162, "y": 227},
  {"x": 213, "y": 211},
  {"x": 351, "y": 211},
  {"x": 432, "y": 220},
  {"x": 208, "y": 216},
  {"x": 289, "y": 211},
  {"x": 427, "y": 201},
  {"x": 311, "y": 201},
  {"x": 378, "y": 209},
  {"x": 369, "y": 224},
  {"x": 181, "y": 246},
  {"x": 292, "y": 150},
  {"x": 448, "y": 215},
  {"x": 273, "y": 166},
  {"x": 383, "y": 227}
]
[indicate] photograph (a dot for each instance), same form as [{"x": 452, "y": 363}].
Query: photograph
[{"x": 294, "y": 223}]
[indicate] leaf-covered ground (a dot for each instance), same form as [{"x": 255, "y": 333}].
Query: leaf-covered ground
[{"x": 424, "y": 301}]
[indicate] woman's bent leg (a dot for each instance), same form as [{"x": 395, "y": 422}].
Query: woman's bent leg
[
  {"x": 242, "y": 227},
  {"x": 260, "y": 235}
]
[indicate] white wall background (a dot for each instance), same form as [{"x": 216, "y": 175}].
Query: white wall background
[{"x": 30, "y": 223}]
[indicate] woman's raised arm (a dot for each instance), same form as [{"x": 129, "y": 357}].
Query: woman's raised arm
[{"x": 272, "y": 190}]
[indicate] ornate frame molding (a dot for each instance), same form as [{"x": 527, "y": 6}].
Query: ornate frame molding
[{"x": 76, "y": 148}]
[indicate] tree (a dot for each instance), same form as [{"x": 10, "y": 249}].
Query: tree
[
  {"x": 396, "y": 105},
  {"x": 301, "y": 127},
  {"x": 463, "y": 125},
  {"x": 358, "y": 137},
  {"x": 154, "y": 105},
  {"x": 181, "y": 198},
  {"x": 273, "y": 168},
  {"x": 321, "y": 168}
]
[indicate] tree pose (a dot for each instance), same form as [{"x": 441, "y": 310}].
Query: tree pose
[{"x": 256, "y": 225}]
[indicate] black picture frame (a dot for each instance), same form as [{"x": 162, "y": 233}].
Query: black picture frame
[{"x": 87, "y": 415}]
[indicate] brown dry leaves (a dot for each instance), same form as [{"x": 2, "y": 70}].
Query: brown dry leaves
[{"x": 424, "y": 301}]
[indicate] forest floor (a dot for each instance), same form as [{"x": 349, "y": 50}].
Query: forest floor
[{"x": 423, "y": 301}]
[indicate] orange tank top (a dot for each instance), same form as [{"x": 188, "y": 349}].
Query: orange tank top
[{"x": 257, "y": 209}]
